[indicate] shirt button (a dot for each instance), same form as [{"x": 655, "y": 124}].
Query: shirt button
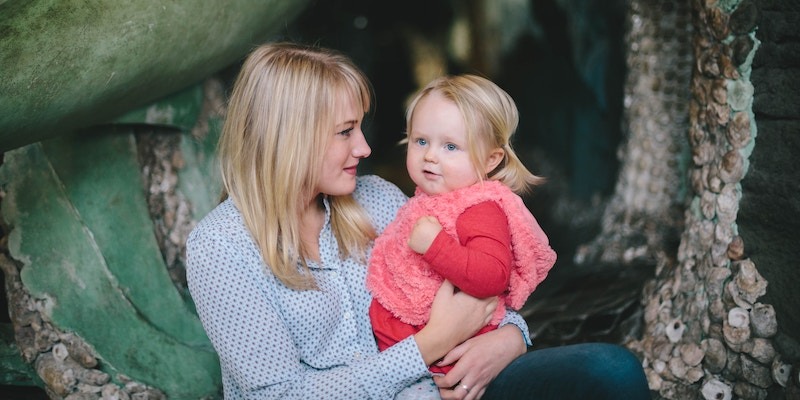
[
  {"x": 357, "y": 355},
  {"x": 347, "y": 314}
]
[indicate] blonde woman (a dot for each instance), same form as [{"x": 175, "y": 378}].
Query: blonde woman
[{"x": 277, "y": 269}]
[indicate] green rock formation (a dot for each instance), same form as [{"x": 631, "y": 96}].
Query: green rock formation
[{"x": 69, "y": 64}]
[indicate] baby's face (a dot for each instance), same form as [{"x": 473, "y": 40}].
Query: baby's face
[{"x": 437, "y": 157}]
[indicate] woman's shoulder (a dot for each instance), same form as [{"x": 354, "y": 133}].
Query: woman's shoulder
[
  {"x": 380, "y": 198},
  {"x": 373, "y": 187},
  {"x": 223, "y": 220}
]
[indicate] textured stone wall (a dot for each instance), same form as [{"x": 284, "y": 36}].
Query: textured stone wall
[{"x": 710, "y": 330}]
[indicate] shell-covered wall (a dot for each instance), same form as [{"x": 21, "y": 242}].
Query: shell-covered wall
[{"x": 710, "y": 329}]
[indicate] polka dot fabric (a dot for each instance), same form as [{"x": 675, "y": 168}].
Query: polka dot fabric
[{"x": 278, "y": 343}]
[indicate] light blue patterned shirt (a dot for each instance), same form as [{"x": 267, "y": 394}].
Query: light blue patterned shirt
[{"x": 274, "y": 342}]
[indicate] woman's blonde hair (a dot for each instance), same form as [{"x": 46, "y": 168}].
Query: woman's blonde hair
[
  {"x": 281, "y": 114},
  {"x": 491, "y": 118}
]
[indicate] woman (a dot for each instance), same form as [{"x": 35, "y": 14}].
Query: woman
[{"x": 277, "y": 270}]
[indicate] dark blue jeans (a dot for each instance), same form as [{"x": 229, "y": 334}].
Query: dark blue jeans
[{"x": 579, "y": 371}]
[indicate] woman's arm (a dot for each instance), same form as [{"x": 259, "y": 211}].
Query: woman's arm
[
  {"x": 455, "y": 316},
  {"x": 480, "y": 359}
]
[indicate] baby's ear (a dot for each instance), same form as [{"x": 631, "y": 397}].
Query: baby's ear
[{"x": 494, "y": 159}]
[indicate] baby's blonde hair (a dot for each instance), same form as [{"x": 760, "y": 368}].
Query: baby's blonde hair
[
  {"x": 491, "y": 118},
  {"x": 281, "y": 114}
]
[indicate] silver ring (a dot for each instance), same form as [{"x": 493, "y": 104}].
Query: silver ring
[{"x": 465, "y": 387}]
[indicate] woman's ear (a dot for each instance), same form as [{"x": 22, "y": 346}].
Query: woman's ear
[{"x": 495, "y": 157}]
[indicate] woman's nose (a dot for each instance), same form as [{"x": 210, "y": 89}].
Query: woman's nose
[{"x": 361, "y": 149}]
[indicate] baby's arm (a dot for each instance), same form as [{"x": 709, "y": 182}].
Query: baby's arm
[
  {"x": 479, "y": 260},
  {"x": 423, "y": 234}
]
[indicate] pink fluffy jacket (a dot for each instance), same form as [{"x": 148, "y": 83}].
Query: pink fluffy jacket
[{"x": 405, "y": 284}]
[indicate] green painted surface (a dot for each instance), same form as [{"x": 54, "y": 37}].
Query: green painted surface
[
  {"x": 80, "y": 227},
  {"x": 178, "y": 110},
  {"x": 13, "y": 369},
  {"x": 199, "y": 180},
  {"x": 68, "y": 64}
]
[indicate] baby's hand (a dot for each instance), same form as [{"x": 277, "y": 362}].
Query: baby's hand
[{"x": 424, "y": 232}]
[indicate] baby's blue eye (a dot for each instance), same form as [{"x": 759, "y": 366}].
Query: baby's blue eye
[
  {"x": 421, "y": 142},
  {"x": 451, "y": 147}
]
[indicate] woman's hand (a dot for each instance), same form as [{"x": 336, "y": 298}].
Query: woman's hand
[
  {"x": 455, "y": 317},
  {"x": 480, "y": 359}
]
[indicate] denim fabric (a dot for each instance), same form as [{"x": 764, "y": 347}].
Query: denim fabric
[{"x": 581, "y": 371}]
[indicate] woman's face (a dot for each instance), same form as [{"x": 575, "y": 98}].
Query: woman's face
[{"x": 346, "y": 148}]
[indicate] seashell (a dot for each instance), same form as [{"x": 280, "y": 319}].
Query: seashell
[
  {"x": 744, "y": 390},
  {"x": 60, "y": 351},
  {"x": 703, "y": 153},
  {"x": 719, "y": 91},
  {"x": 691, "y": 354},
  {"x": 717, "y": 20},
  {"x": 705, "y": 321},
  {"x": 654, "y": 380},
  {"x": 727, "y": 66},
  {"x": 763, "y": 321},
  {"x": 740, "y": 94},
  {"x": 756, "y": 373},
  {"x": 736, "y": 329},
  {"x": 706, "y": 231},
  {"x": 659, "y": 366},
  {"x": 738, "y": 318},
  {"x": 781, "y": 372},
  {"x": 113, "y": 392},
  {"x": 736, "y": 248},
  {"x": 750, "y": 284},
  {"x": 662, "y": 349},
  {"x": 694, "y": 374},
  {"x": 58, "y": 380},
  {"x": 720, "y": 113},
  {"x": 728, "y": 204},
  {"x": 79, "y": 350},
  {"x": 697, "y": 134},
  {"x": 674, "y": 330},
  {"x": 762, "y": 350},
  {"x": 678, "y": 368},
  {"x": 715, "y": 281},
  {"x": 698, "y": 179},
  {"x": 733, "y": 295},
  {"x": 732, "y": 167},
  {"x": 712, "y": 178},
  {"x": 715, "y": 357},
  {"x": 738, "y": 133},
  {"x": 741, "y": 47},
  {"x": 651, "y": 311},
  {"x": 708, "y": 204},
  {"x": 715, "y": 389},
  {"x": 719, "y": 247}
]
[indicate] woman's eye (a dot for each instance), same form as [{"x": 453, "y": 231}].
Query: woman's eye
[{"x": 346, "y": 132}]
